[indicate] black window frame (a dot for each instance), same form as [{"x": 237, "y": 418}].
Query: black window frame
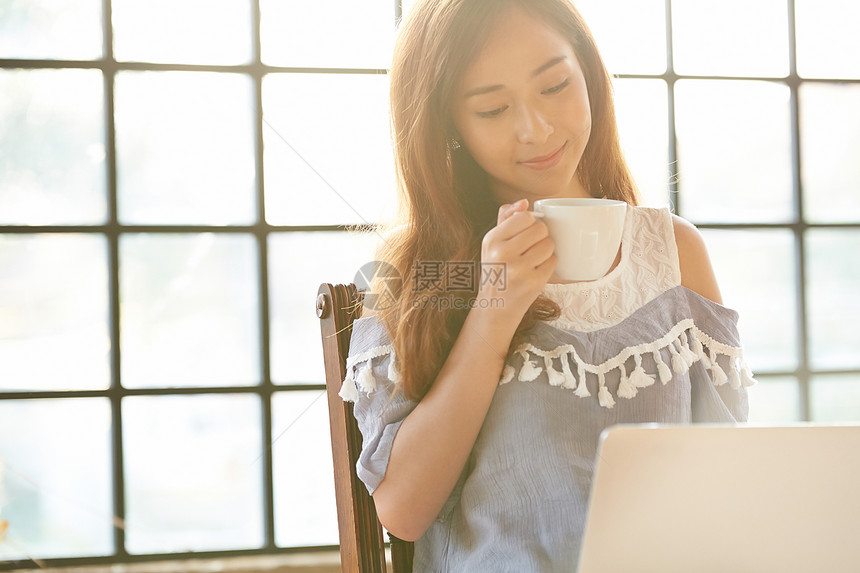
[{"x": 112, "y": 230}]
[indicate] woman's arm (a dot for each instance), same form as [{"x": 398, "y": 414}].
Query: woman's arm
[
  {"x": 434, "y": 441},
  {"x": 697, "y": 274}
]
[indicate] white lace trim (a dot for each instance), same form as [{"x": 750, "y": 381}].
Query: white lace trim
[
  {"x": 685, "y": 342},
  {"x": 365, "y": 380},
  {"x": 649, "y": 266}
]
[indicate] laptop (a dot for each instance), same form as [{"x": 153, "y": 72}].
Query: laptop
[{"x": 724, "y": 498}]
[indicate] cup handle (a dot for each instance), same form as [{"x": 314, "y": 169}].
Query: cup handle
[{"x": 538, "y": 214}]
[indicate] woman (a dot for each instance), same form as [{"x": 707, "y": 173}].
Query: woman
[{"x": 481, "y": 416}]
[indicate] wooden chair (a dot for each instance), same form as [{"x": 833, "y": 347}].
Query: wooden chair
[{"x": 362, "y": 547}]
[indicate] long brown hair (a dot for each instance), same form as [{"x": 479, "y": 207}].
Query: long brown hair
[{"x": 445, "y": 205}]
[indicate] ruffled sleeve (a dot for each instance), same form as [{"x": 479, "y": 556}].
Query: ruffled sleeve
[
  {"x": 379, "y": 404},
  {"x": 719, "y": 388},
  {"x": 677, "y": 336}
]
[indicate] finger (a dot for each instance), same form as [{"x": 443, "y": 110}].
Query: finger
[
  {"x": 540, "y": 251},
  {"x": 515, "y": 224},
  {"x": 505, "y": 211},
  {"x": 548, "y": 266},
  {"x": 528, "y": 237}
]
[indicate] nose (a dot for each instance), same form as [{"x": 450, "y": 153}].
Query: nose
[{"x": 531, "y": 124}]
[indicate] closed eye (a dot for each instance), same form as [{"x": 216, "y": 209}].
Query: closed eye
[
  {"x": 558, "y": 88},
  {"x": 496, "y": 112},
  {"x": 492, "y": 112}
]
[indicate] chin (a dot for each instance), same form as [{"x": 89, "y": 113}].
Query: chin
[{"x": 559, "y": 185}]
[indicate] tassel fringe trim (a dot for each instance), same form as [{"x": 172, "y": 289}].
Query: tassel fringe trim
[
  {"x": 365, "y": 380},
  {"x": 685, "y": 344}
]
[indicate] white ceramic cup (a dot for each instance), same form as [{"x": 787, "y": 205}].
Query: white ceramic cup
[{"x": 587, "y": 234}]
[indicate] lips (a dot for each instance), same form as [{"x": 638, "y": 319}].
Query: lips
[{"x": 544, "y": 161}]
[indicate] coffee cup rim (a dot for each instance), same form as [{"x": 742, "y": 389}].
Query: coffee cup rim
[{"x": 578, "y": 201}]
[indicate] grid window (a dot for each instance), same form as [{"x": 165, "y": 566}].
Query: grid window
[
  {"x": 294, "y": 278},
  {"x": 760, "y": 286},
  {"x": 190, "y": 310},
  {"x": 53, "y": 147},
  {"x": 177, "y": 178},
  {"x": 827, "y": 39},
  {"x": 642, "y": 112},
  {"x": 54, "y": 318},
  {"x": 56, "y": 478},
  {"x": 196, "y": 31},
  {"x": 305, "y": 507},
  {"x": 185, "y": 148},
  {"x": 730, "y": 38},
  {"x": 193, "y": 483},
  {"x": 328, "y": 156},
  {"x": 734, "y": 150},
  {"x": 51, "y": 29},
  {"x": 330, "y": 34},
  {"x": 631, "y": 33},
  {"x": 829, "y": 147}
]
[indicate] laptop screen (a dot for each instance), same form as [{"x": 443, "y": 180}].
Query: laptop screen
[{"x": 724, "y": 498}]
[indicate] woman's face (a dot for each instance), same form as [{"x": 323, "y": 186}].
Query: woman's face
[{"x": 522, "y": 110}]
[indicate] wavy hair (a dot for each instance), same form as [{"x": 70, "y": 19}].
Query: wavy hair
[{"x": 445, "y": 205}]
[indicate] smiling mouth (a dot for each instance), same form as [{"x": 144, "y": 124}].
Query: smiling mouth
[
  {"x": 545, "y": 157},
  {"x": 547, "y": 160},
  {"x": 543, "y": 163}
]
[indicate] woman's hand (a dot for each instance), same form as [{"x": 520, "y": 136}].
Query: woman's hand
[{"x": 520, "y": 247}]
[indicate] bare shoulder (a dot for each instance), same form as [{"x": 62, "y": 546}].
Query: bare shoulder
[{"x": 697, "y": 273}]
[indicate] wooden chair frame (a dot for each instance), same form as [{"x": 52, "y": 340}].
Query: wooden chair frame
[{"x": 362, "y": 547}]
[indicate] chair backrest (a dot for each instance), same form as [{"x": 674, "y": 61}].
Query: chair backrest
[{"x": 362, "y": 547}]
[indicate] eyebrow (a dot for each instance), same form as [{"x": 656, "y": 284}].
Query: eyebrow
[{"x": 538, "y": 71}]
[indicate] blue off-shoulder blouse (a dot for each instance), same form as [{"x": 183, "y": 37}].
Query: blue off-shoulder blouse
[{"x": 521, "y": 501}]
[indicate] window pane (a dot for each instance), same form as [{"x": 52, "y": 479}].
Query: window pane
[
  {"x": 333, "y": 34},
  {"x": 734, "y": 151},
  {"x": 305, "y": 510},
  {"x": 835, "y": 398},
  {"x": 642, "y": 112},
  {"x": 756, "y": 274},
  {"x": 52, "y": 151},
  {"x": 51, "y": 29},
  {"x": 730, "y": 38},
  {"x": 192, "y": 477},
  {"x": 190, "y": 310},
  {"x": 54, "y": 331},
  {"x": 775, "y": 401},
  {"x": 182, "y": 31},
  {"x": 298, "y": 263},
  {"x": 317, "y": 172},
  {"x": 827, "y": 39},
  {"x": 55, "y": 478},
  {"x": 830, "y": 148},
  {"x": 832, "y": 282},
  {"x": 631, "y": 34},
  {"x": 185, "y": 148}
]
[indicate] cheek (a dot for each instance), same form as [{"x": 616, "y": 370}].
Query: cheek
[
  {"x": 578, "y": 112},
  {"x": 486, "y": 146},
  {"x": 576, "y": 103}
]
